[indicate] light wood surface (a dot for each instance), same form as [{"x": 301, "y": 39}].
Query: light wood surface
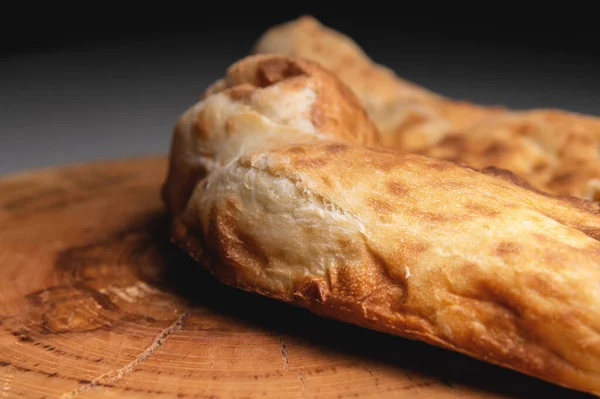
[{"x": 96, "y": 303}]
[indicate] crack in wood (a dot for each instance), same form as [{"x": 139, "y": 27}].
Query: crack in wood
[
  {"x": 301, "y": 378},
  {"x": 368, "y": 370},
  {"x": 114, "y": 375},
  {"x": 284, "y": 355}
]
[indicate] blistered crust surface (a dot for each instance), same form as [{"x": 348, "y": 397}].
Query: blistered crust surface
[
  {"x": 277, "y": 186},
  {"x": 556, "y": 151}
]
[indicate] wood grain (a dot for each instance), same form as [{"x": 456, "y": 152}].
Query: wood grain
[{"x": 95, "y": 302}]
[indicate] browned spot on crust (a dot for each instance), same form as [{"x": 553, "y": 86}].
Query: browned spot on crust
[
  {"x": 525, "y": 128},
  {"x": 506, "y": 248},
  {"x": 295, "y": 150},
  {"x": 336, "y": 148},
  {"x": 344, "y": 242},
  {"x": 495, "y": 149},
  {"x": 508, "y": 176},
  {"x": 396, "y": 188},
  {"x": 350, "y": 281},
  {"x": 386, "y": 219},
  {"x": 383, "y": 163},
  {"x": 380, "y": 206},
  {"x": 440, "y": 165},
  {"x": 540, "y": 166},
  {"x": 563, "y": 178},
  {"x": 275, "y": 70},
  {"x": 431, "y": 217},
  {"x": 310, "y": 162},
  {"x": 414, "y": 248},
  {"x": 480, "y": 209},
  {"x": 453, "y": 141},
  {"x": 242, "y": 92}
]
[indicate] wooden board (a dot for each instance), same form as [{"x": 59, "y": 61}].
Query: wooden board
[{"x": 95, "y": 302}]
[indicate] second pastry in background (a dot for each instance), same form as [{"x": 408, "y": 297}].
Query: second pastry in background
[{"x": 554, "y": 150}]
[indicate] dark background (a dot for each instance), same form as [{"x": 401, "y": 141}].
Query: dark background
[{"x": 97, "y": 82}]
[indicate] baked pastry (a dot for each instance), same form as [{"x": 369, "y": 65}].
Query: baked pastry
[
  {"x": 409, "y": 116},
  {"x": 276, "y": 187},
  {"x": 307, "y": 104},
  {"x": 553, "y": 150}
]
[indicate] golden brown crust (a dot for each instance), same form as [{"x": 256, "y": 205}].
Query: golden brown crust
[
  {"x": 203, "y": 128},
  {"x": 556, "y": 151},
  {"x": 298, "y": 205}
]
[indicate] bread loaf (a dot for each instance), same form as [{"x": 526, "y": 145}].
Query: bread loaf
[{"x": 277, "y": 185}]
